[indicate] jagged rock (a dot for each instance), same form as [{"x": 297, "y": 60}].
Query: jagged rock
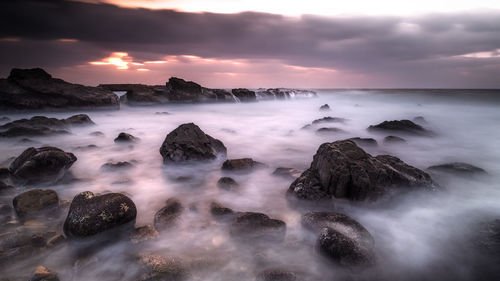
[
  {"x": 43, "y": 126},
  {"x": 244, "y": 95},
  {"x": 343, "y": 170},
  {"x": 143, "y": 233},
  {"x": 90, "y": 214},
  {"x": 188, "y": 142},
  {"x": 125, "y": 138},
  {"x": 364, "y": 141},
  {"x": 227, "y": 183},
  {"x": 394, "y": 139},
  {"x": 242, "y": 164},
  {"x": 329, "y": 119},
  {"x": 217, "y": 209},
  {"x": 458, "y": 168},
  {"x": 159, "y": 268},
  {"x": 252, "y": 226},
  {"x": 290, "y": 173},
  {"x": 168, "y": 215},
  {"x": 44, "y": 274},
  {"x": 329, "y": 130},
  {"x": 35, "y": 89},
  {"x": 277, "y": 274},
  {"x": 324, "y": 107},
  {"x": 41, "y": 165},
  {"x": 35, "y": 203},
  {"x": 403, "y": 126}
]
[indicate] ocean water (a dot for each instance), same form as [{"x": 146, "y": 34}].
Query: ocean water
[{"x": 418, "y": 236}]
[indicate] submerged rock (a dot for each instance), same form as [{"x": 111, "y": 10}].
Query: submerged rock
[
  {"x": 35, "y": 89},
  {"x": 217, "y": 209},
  {"x": 122, "y": 165},
  {"x": 41, "y": 165},
  {"x": 420, "y": 119},
  {"x": 242, "y": 164},
  {"x": 364, "y": 141},
  {"x": 289, "y": 173},
  {"x": 329, "y": 130},
  {"x": 143, "y": 233},
  {"x": 158, "y": 268},
  {"x": 125, "y": 138},
  {"x": 44, "y": 274},
  {"x": 394, "y": 139},
  {"x": 403, "y": 126},
  {"x": 188, "y": 142},
  {"x": 250, "y": 225},
  {"x": 458, "y": 168},
  {"x": 35, "y": 203},
  {"x": 329, "y": 119},
  {"x": 324, "y": 107},
  {"x": 43, "y": 126},
  {"x": 277, "y": 274},
  {"x": 343, "y": 170},
  {"x": 227, "y": 183},
  {"x": 244, "y": 95},
  {"x": 168, "y": 215},
  {"x": 90, "y": 214}
]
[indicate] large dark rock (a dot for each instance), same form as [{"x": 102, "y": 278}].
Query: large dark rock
[
  {"x": 249, "y": 225},
  {"x": 242, "y": 164},
  {"x": 244, "y": 95},
  {"x": 35, "y": 203},
  {"x": 35, "y": 89},
  {"x": 403, "y": 126},
  {"x": 188, "y": 142},
  {"x": 343, "y": 170},
  {"x": 167, "y": 216},
  {"x": 41, "y": 165},
  {"x": 43, "y": 126},
  {"x": 458, "y": 168},
  {"x": 90, "y": 214}
]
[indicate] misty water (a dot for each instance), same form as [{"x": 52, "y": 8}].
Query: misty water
[{"x": 418, "y": 236}]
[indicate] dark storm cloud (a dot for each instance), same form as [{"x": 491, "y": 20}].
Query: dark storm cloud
[{"x": 417, "y": 45}]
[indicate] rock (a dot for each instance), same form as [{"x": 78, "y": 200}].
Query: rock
[
  {"x": 41, "y": 165},
  {"x": 4, "y": 173},
  {"x": 159, "y": 268},
  {"x": 125, "y": 138},
  {"x": 329, "y": 119},
  {"x": 257, "y": 226},
  {"x": 44, "y": 274},
  {"x": 90, "y": 214},
  {"x": 188, "y": 142},
  {"x": 420, "y": 119},
  {"x": 35, "y": 89},
  {"x": 4, "y": 119},
  {"x": 324, "y": 107},
  {"x": 168, "y": 215},
  {"x": 403, "y": 126},
  {"x": 56, "y": 240},
  {"x": 242, "y": 164},
  {"x": 487, "y": 237},
  {"x": 86, "y": 147},
  {"x": 143, "y": 233},
  {"x": 364, "y": 141},
  {"x": 35, "y": 203},
  {"x": 277, "y": 274},
  {"x": 283, "y": 93},
  {"x": 217, "y": 209},
  {"x": 5, "y": 188},
  {"x": 5, "y": 209},
  {"x": 458, "y": 168},
  {"x": 43, "y": 126},
  {"x": 122, "y": 165},
  {"x": 244, "y": 95},
  {"x": 343, "y": 249},
  {"x": 289, "y": 173},
  {"x": 329, "y": 130},
  {"x": 343, "y": 170},
  {"x": 306, "y": 127},
  {"x": 97, "y": 134},
  {"x": 394, "y": 139},
  {"x": 227, "y": 183}
]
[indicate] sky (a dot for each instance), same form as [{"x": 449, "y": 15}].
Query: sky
[{"x": 259, "y": 43}]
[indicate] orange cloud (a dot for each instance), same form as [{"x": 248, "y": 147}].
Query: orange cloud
[{"x": 119, "y": 59}]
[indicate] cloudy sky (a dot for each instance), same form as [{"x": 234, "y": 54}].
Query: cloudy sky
[{"x": 257, "y": 43}]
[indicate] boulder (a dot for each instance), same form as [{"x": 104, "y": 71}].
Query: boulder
[
  {"x": 458, "y": 168},
  {"x": 289, "y": 173},
  {"x": 36, "y": 203},
  {"x": 90, "y": 214},
  {"x": 277, "y": 274},
  {"x": 217, "y": 209},
  {"x": 41, "y": 165},
  {"x": 329, "y": 119},
  {"x": 44, "y": 274},
  {"x": 167, "y": 216},
  {"x": 402, "y": 126},
  {"x": 143, "y": 233},
  {"x": 364, "y": 141},
  {"x": 242, "y": 164},
  {"x": 257, "y": 226},
  {"x": 227, "y": 183},
  {"x": 394, "y": 139},
  {"x": 324, "y": 107},
  {"x": 343, "y": 250},
  {"x": 125, "y": 138},
  {"x": 244, "y": 95},
  {"x": 35, "y": 89},
  {"x": 43, "y": 126},
  {"x": 188, "y": 142},
  {"x": 341, "y": 169},
  {"x": 156, "y": 268}
]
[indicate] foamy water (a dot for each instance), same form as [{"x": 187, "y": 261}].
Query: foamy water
[{"x": 417, "y": 237}]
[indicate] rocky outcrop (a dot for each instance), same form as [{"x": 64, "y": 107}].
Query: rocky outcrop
[
  {"x": 343, "y": 170},
  {"x": 36, "y": 203},
  {"x": 35, "y": 89},
  {"x": 257, "y": 226},
  {"x": 43, "y": 126},
  {"x": 283, "y": 93},
  {"x": 227, "y": 183},
  {"x": 458, "y": 168},
  {"x": 90, "y": 214},
  {"x": 41, "y": 165},
  {"x": 125, "y": 138},
  {"x": 188, "y": 142},
  {"x": 241, "y": 165},
  {"x": 244, "y": 95},
  {"x": 402, "y": 126},
  {"x": 168, "y": 215}
]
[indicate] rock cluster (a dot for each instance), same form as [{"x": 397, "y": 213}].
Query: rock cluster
[{"x": 43, "y": 126}]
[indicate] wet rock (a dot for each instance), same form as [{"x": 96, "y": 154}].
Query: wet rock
[
  {"x": 394, "y": 139},
  {"x": 217, "y": 209},
  {"x": 188, "y": 142},
  {"x": 227, "y": 183},
  {"x": 35, "y": 89},
  {"x": 35, "y": 203},
  {"x": 329, "y": 119},
  {"x": 403, "y": 126},
  {"x": 242, "y": 164},
  {"x": 143, "y": 233},
  {"x": 324, "y": 107},
  {"x": 250, "y": 225},
  {"x": 90, "y": 214},
  {"x": 343, "y": 170},
  {"x": 364, "y": 141},
  {"x": 289, "y": 173},
  {"x": 41, "y": 165},
  {"x": 458, "y": 168},
  {"x": 122, "y": 165},
  {"x": 43, "y": 126},
  {"x": 343, "y": 249},
  {"x": 329, "y": 130},
  {"x": 277, "y": 274},
  {"x": 158, "y": 268},
  {"x": 125, "y": 138},
  {"x": 44, "y": 274},
  {"x": 167, "y": 216},
  {"x": 244, "y": 95}
]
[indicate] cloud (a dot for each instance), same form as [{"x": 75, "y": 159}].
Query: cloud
[{"x": 414, "y": 51}]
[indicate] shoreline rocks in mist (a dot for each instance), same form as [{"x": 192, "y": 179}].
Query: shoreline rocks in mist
[
  {"x": 257, "y": 226},
  {"x": 289, "y": 173},
  {"x": 189, "y": 143},
  {"x": 394, "y": 139},
  {"x": 283, "y": 93},
  {"x": 241, "y": 165},
  {"x": 227, "y": 183},
  {"x": 126, "y": 138},
  {"x": 369, "y": 142},
  {"x": 35, "y": 89},
  {"x": 43, "y": 126},
  {"x": 91, "y": 214},
  {"x": 341, "y": 169},
  {"x": 168, "y": 215},
  {"x": 41, "y": 165},
  {"x": 402, "y": 126}
]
